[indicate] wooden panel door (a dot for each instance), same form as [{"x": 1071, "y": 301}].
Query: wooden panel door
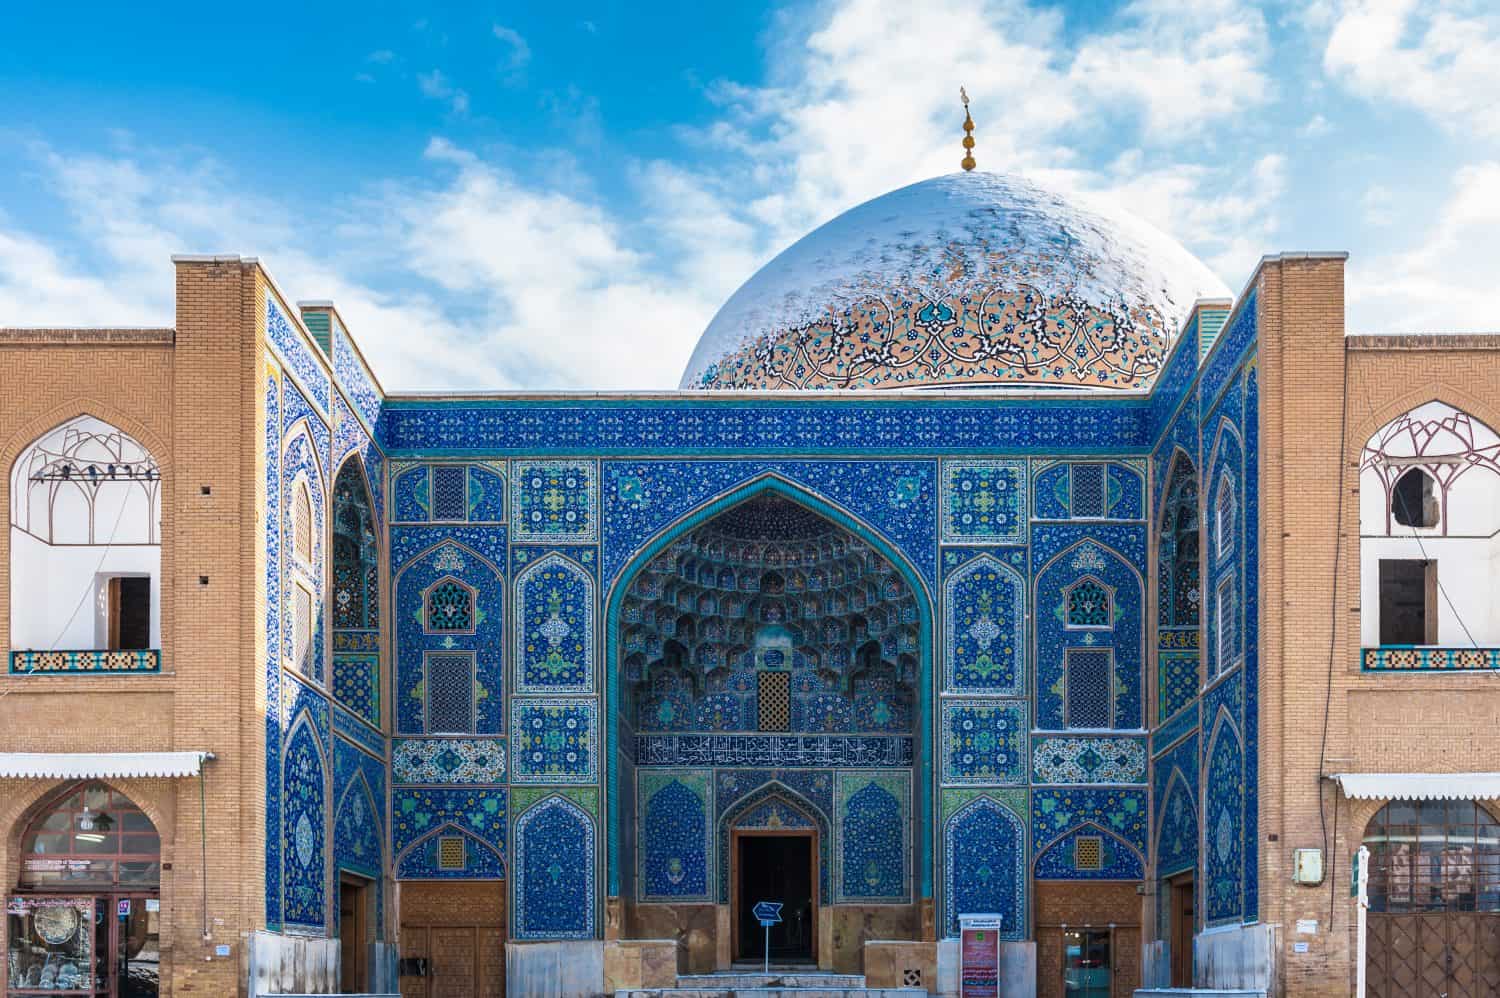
[
  {"x": 414, "y": 942},
  {"x": 453, "y": 966},
  {"x": 1433, "y": 955}
]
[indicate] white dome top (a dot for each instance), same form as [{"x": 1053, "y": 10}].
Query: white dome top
[{"x": 968, "y": 280}]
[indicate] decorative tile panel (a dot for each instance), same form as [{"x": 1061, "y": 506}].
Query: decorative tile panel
[
  {"x": 356, "y": 684},
  {"x": 555, "y": 501},
  {"x": 873, "y": 852},
  {"x": 984, "y": 614},
  {"x": 555, "y": 627},
  {"x": 354, "y": 378},
  {"x": 554, "y": 741},
  {"x": 420, "y": 814},
  {"x": 674, "y": 847},
  {"x": 448, "y": 760},
  {"x": 296, "y": 353},
  {"x": 984, "y": 502},
  {"x": 271, "y": 457},
  {"x": 304, "y": 848},
  {"x": 1088, "y": 760},
  {"x": 1223, "y": 827},
  {"x": 984, "y": 860},
  {"x": 553, "y": 892},
  {"x": 984, "y": 741},
  {"x": 1060, "y": 814},
  {"x": 1175, "y": 794}
]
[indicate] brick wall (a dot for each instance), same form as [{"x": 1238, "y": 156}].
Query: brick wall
[{"x": 1413, "y": 722}]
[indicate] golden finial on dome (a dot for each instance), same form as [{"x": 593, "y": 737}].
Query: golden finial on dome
[{"x": 968, "y": 160}]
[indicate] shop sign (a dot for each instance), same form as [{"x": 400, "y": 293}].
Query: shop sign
[{"x": 122, "y": 908}]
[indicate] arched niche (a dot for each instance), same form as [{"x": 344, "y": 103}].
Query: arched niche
[
  {"x": 1429, "y": 523},
  {"x": 85, "y": 553}
]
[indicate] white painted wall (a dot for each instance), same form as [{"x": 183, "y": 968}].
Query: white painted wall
[
  {"x": 1466, "y": 548},
  {"x": 49, "y": 582}
]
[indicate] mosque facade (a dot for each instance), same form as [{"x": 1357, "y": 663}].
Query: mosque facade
[{"x": 992, "y": 558}]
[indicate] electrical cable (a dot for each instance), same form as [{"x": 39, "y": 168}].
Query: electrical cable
[{"x": 1333, "y": 607}]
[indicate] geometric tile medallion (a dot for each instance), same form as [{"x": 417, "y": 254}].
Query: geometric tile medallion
[
  {"x": 1088, "y": 760},
  {"x": 984, "y": 502},
  {"x": 555, "y": 500},
  {"x": 554, "y": 741},
  {"x": 448, "y": 760},
  {"x": 984, "y": 615},
  {"x": 984, "y": 742},
  {"x": 554, "y": 632}
]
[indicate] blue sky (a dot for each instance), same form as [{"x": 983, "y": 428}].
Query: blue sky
[{"x": 560, "y": 196}]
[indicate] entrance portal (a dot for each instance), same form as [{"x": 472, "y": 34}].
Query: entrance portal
[
  {"x": 1182, "y": 930},
  {"x": 776, "y": 867}
]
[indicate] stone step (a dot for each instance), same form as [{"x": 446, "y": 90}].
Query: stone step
[
  {"x": 739, "y": 979},
  {"x": 774, "y": 992}
]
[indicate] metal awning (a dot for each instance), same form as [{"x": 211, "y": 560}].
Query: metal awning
[
  {"x": 1420, "y": 786},
  {"x": 100, "y": 765}
]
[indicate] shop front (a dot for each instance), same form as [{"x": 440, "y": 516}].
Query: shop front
[{"x": 85, "y": 917}]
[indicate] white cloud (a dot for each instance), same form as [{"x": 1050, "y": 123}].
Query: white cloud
[
  {"x": 1445, "y": 282},
  {"x": 1441, "y": 57},
  {"x": 437, "y": 86},
  {"x": 520, "y": 52},
  {"x": 1316, "y": 126}
]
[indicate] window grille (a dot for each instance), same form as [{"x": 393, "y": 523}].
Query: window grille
[
  {"x": 451, "y": 852},
  {"x": 1224, "y": 517},
  {"x": 302, "y": 629},
  {"x": 450, "y": 607},
  {"x": 1432, "y": 856},
  {"x": 1088, "y": 852},
  {"x": 450, "y": 694},
  {"x": 450, "y": 492},
  {"x": 1087, "y": 688},
  {"x": 1089, "y": 605},
  {"x": 1088, "y": 492},
  {"x": 775, "y": 701},
  {"x": 302, "y": 525},
  {"x": 1224, "y": 625}
]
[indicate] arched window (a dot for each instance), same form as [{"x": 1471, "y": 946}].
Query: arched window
[
  {"x": 302, "y": 525},
  {"x": 1413, "y": 500},
  {"x": 91, "y": 837},
  {"x": 85, "y": 556},
  {"x": 1224, "y": 517},
  {"x": 1432, "y": 856}
]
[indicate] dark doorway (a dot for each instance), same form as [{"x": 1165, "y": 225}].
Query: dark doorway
[
  {"x": 352, "y": 933},
  {"x": 1182, "y": 930},
  {"x": 776, "y": 868},
  {"x": 1408, "y": 602},
  {"x": 129, "y": 612}
]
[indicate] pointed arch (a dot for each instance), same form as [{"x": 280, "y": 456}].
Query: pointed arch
[
  {"x": 1184, "y": 828},
  {"x": 304, "y": 826},
  {"x": 769, "y": 483},
  {"x": 1118, "y": 858},
  {"x": 554, "y": 631},
  {"x": 1223, "y": 820},
  {"x": 553, "y": 890},
  {"x": 799, "y": 803},
  {"x": 418, "y": 861},
  {"x": 359, "y": 842},
  {"x": 985, "y": 866}
]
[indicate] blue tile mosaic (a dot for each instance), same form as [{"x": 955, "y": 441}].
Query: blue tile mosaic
[
  {"x": 984, "y": 618},
  {"x": 737, "y": 792},
  {"x": 873, "y": 853},
  {"x": 1056, "y": 759},
  {"x": 895, "y": 498},
  {"x": 984, "y": 502},
  {"x": 1223, "y": 825},
  {"x": 271, "y": 457},
  {"x": 297, "y": 353},
  {"x": 984, "y": 742},
  {"x": 487, "y": 492},
  {"x": 674, "y": 845},
  {"x": 1117, "y": 815},
  {"x": 554, "y": 893},
  {"x": 448, "y": 760},
  {"x": 302, "y": 834},
  {"x": 984, "y": 863},
  {"x": 711, "y": 427},
  {"x": 554, "y": 501},
  {"x": 420, "y": 815},
  {"x": 1174, "y": 782},
  {"x": 354, "y": 378},
  {"x": 555, "y": 627},
  {"x": 554, "y": 740}
]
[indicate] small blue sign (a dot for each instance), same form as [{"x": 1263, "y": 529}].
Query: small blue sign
[{"x": 769, "y": 912}]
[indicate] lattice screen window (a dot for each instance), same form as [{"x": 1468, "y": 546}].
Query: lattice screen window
[
  {"x": 449, "y": 690},
  {"x": 302, "y": 525},
  {"x": 775, "y": 701},
  {"x": 1088, "y": 491},
  {"x": 1088, "y": 852},
  {"x": 302, "y": 629},
  {"x": 1089, "y": 605},
  {"x": 450, "y": 492},
  {"x": 450, "y": 852},
  {"x": 1224, "y": 517},
  {"x": 450, "y": 608},
  {"x": 1087, "y": 688},
  {"x": 1224, "y": 615}
]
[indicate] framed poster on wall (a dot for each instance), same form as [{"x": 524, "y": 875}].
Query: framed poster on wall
[{"x": 979, "y": 956}]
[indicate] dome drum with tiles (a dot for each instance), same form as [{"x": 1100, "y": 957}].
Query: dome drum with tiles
[{"x": 965, "y": 281}]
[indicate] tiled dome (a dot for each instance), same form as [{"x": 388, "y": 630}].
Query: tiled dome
[{"x": 972, "y": 280}]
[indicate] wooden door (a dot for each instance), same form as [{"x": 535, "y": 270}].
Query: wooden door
[
  {"x": 459, "y": 928},
  {"x": 1182, "y": 931}
]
